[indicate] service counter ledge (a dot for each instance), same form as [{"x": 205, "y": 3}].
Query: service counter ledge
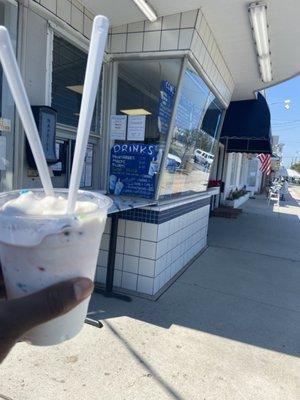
[{"x": 154, "y": 243}]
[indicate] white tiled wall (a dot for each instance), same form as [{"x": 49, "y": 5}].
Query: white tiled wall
[
  {"x": 207, "y": 53},
  {"x": 184, "y": 31},
  {"x": 149, "y": 255},
  {"x": 72, "y": 12}
]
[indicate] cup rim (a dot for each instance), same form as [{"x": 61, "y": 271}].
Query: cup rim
[{"x": 106, "y": 203}]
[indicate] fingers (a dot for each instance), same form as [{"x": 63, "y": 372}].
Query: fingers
[{"x": 33, "y": 310}]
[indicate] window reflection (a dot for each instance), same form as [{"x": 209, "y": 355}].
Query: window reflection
[{"x": 193, "y": 141}]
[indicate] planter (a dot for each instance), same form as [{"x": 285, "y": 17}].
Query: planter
[{"x": 238, "y": 202}]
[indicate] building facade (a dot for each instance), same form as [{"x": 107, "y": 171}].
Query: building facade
[{"x": 165, "y": 88}]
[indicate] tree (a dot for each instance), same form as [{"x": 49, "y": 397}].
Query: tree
[{"x": 296, "y": 167}]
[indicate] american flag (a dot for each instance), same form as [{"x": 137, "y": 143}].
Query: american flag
[{"x": 265, "y": 160}]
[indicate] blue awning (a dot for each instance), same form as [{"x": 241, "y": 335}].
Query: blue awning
[{"x": 247, "y": 127}]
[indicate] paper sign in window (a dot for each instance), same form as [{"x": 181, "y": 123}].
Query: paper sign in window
[{"x": 136, "y": 127}]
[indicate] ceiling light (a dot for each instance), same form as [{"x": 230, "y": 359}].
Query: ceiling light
[
  {"x": 265, "y": 68},
  {"x": 258, "y": 16},
  {"x": 258, "y": 19},
  {"x": 146, "y": 9},
  {"x": 76, "y": 88},
  {"x": 136, "y": 111}
]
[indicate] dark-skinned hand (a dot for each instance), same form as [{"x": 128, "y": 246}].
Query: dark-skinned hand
[{"x": 20, "y": 315}]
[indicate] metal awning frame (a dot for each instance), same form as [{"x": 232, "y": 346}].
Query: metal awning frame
[{"x": 248, "y": 140}]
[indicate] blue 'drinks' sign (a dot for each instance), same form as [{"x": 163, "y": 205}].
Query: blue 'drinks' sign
[{"x": 133, "y": 169}]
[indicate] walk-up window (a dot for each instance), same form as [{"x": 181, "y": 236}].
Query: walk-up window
[
  {"x": 162, "y": 141},
  {"x": 146, "y": 92},
  {"x": 68, "y": 72}
]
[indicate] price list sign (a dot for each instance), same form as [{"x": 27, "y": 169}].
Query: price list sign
[
  {"x": 131, "y": 170},
  {"x": 166, "y": 102}
]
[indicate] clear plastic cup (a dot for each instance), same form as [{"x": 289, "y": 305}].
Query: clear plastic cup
[{"x": 38, "y": 251}]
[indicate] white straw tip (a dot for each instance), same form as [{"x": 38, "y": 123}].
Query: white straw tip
[
  {"x": 101, "y": 22},
  {"x": 3, "y": 31}
]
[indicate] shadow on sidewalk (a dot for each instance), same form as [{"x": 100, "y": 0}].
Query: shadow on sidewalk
[
  {"x": 146, "y": 365},
  {"x": 245, "y": 287}
]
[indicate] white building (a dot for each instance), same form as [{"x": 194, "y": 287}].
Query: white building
[{"x": 202, "y": 55}]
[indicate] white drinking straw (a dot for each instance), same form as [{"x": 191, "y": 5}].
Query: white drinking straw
[
  {"x": 91, "y": 82},
  {"x": 14, "y": 79}
]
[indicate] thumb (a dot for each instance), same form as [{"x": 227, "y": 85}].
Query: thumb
[{"x": 27, "y": 312}]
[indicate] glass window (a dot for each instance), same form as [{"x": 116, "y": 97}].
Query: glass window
[
  {"x": 1, "y": 72},
  {"x": 145, "y": 94},
  {"x": 193, "y": 139},
  {"x": 252, "y": 172},
  {"x": 87, "y": 172},
  {"x": 233, "y": 172},
  {"x": 149, "y": 88},
  {"x": 1, "y": 90},
  {"x": 244, "y": 170},
  {"x": 8, "y": 18},
  {"x": 68, "y": 71}
]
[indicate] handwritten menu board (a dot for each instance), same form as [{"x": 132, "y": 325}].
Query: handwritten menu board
[
  {"x": 133, "y": 169},
  {"x": 165, "y": 108}
]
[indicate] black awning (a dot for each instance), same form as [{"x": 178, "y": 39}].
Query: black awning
[{"x": 247, "y": 127}]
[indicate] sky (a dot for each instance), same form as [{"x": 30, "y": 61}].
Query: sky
[{"x": 286, "y": 123}]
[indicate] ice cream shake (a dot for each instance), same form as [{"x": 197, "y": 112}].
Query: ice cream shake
[{"x": 41, "y": 245}]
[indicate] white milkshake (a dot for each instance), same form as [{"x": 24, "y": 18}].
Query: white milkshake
[{"x": 40, "y": 245}]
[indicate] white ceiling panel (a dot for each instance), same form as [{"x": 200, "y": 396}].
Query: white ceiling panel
[{"x": 229, "y": 21}]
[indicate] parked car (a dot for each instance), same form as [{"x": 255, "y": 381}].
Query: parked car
[
  {"x": 173, "y": 163},
  {"x": 203, "y": 158}
]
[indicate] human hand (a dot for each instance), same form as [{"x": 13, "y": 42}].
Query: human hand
[{"x": 20, "y": 315}]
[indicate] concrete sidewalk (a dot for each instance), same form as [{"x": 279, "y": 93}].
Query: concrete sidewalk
[{"x": 229, "y": 328}]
